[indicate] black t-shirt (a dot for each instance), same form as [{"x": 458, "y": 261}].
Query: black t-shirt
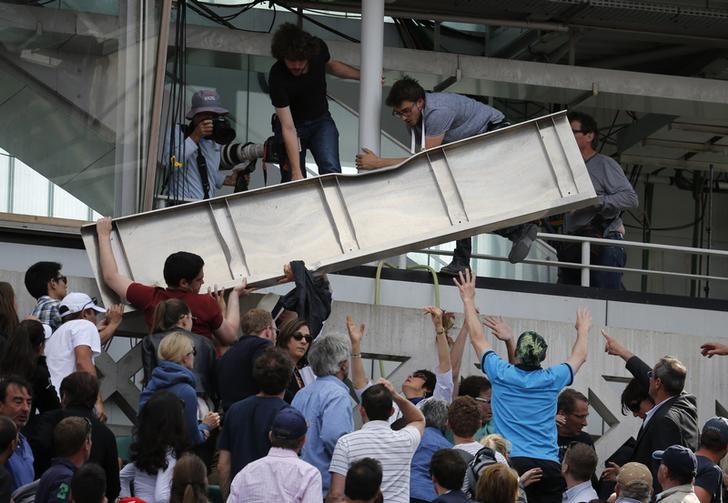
[
  {"x": 710, "y": 478},
  {"x": 235, "y": 370},
  {"x": 304, "y": 94},
  {"x": 565, "y": 442},
  {"x": 245, "y": 431}
]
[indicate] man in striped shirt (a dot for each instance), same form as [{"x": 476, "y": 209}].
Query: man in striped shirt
[{"x": 393, "y": 449}]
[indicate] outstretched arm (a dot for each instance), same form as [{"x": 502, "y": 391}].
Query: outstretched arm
[
  {"x": 466, "y": 287},
  {"x": 443, "y": 351},
  {"x": 109, "y": 270},
  {"x": 456, "y": 358},
  {"x": 356, "y": 332},
  {"x": 342, "y": 70},
  {"x": 711, "y": 349},
  {"x": 579, "y": 351},
  {"x": 229, "y": 331},
  {"x": 503, "y": 331}
]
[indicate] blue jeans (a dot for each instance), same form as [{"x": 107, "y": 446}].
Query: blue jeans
[
  {"x": 321, "y": 137},
  {"x": 614, "y": 256}
]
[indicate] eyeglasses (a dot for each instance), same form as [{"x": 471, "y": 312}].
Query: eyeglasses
[
  {"x": 578, "y": 131},
  {"x": 299, "y": 336},
  {"x": 419, "y": 375},
  {"x": 651, "y": 374},
  {"x": 193, "y": 352},
  {"x": 62, "y": 278},
  {"x": 483, "y": 400},
  {"x": 92, "y": 303},
  {"x": 403, "y": 111}
]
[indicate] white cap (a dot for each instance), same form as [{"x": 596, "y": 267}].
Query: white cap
[{"x": 75, "y": 302}]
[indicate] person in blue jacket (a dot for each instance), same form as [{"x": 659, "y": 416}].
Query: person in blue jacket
[{"x": 174, "y": 374}]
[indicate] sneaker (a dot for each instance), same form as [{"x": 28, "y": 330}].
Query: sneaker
[
  {"x": 522, "y": 243},
  {"x": 453, "y": 268}
]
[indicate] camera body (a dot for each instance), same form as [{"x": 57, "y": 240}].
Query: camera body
[{"x": 222, "y": 132}]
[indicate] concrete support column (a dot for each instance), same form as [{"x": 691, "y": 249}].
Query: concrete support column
[
  {"x": 370, "y": 90},
  {"x": 585, "y": 260}
]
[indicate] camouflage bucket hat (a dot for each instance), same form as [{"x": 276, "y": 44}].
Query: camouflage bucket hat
[{"x": 531, "y": 348}]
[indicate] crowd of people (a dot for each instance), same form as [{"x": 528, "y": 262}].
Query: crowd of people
[{"x": 264, "y": 405}]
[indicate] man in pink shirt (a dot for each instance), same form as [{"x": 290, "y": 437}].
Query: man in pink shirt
[{"x": 281, "y": 475}]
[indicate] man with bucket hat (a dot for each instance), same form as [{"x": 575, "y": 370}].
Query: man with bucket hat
[
  {"x": 195, "y": 164},
  {"x": 76, "y": 343},
  {"x": 677, "y": 470},
  {"x": 525, "y": 394}
]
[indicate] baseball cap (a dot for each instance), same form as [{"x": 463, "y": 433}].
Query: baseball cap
[
  {"x": 632, "y": 473},
  {"x": 289, "y": 424},
  {"x": 75, "y": 302},
  {"x": 531, "y": 348},
  {"x": 719, "y": 425},
  {"x": 678, "y": 459},
  {"x": 206, "y": 100}
]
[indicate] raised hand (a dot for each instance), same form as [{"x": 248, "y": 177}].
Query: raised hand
[
  {"x": 356, "y": 332},
  {"x": 466, "y": 285},
  {"x": 500, "y": 328}
]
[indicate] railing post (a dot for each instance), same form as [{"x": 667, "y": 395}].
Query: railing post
[{"x": 585, "y": 252}]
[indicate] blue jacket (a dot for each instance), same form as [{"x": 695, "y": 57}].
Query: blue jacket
[{"x": 180, "y": 381}]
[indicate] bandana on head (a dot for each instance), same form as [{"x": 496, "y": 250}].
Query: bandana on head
[{"x": 531, "y": 348}]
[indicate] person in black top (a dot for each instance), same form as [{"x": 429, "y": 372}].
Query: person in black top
[
  {"x": 24, "y": 357},
  {"x": 235, "y": 368},
  {"x": 297, "y": 87},
  {"x": 572, "y": 412},
  {"x": 711, "y": 449},
  {"x": 294, "y": 340},
  {"x": 8, "y": 441},
  {"x": 79, "y": 391}
]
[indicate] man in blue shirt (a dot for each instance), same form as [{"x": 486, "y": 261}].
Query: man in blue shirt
[
  {"x": 15, "y": 401},
  {"x": 194, "y": 172},
  {"x": 72, "y": 444},
  {"x": 434, "y": 119},
  {"x": 525, "y": 394},
  {"x": 325, "y": 403},
  {"x": 433, "y": 439}
]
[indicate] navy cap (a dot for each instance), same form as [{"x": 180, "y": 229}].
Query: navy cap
[
  {"x": 717, "y": 424},
  {"x": 289, "y": 424},
  {"x": 678, "y": 459},
  {"x": 206, "y": 100}
]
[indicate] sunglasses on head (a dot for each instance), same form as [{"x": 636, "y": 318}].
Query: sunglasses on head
[{"x": 299, "y": 336}]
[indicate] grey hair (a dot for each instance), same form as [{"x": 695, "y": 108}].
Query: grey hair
[
  {"x": 327, "y": 352},
  {"x": 435, "y": 412},
  {"x": 637, "y": 490}
]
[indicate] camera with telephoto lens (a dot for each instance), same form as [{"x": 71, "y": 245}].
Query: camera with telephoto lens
[{"x": 222, "y": 132}]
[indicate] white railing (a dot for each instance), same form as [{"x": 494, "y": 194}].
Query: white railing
[{"x": 586, "y": 266}]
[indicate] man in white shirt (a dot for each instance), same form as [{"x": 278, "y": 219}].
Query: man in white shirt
[
  {"x": 393, "y": 449},
  {"x": 76, "y": 343},
  {"x": 281, "y": 475},
  {"x": 580, "y": 461}
]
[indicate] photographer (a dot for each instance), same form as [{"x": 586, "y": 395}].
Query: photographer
[{"x": 195, "y": 168}]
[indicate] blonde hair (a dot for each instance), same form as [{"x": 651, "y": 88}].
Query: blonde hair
[
  {"x": 497, "y": 484},
  {"x": 497, "y": 443},
  {"x": 174, "y": 347}
]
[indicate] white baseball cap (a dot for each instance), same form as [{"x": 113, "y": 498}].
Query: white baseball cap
[{"x": 75, "y": 302}]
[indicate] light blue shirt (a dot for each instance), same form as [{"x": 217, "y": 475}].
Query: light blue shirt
[
  {"x": 20, "y": 464},
  {"x": 420, "y": 480},
  {"x": 184, "y": 181},
  {"x": 524, "y": 405},
  {"x": 326, "y": 405}
]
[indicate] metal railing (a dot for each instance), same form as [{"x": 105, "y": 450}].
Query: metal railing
[{"x": 587, "y": 266}]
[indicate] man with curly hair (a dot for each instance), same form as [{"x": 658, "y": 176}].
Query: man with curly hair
[{"x": 297, "y": 87}]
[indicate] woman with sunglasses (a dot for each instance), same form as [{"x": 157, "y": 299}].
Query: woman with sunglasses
[
  {"x": 174, "y": 374},
  {"x": 294, "y": 339}
]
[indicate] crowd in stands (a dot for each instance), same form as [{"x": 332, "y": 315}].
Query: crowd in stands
[{"x": 266, "y": 406}]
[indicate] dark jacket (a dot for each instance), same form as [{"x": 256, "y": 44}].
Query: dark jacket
[
  {"x": 180, "y": 381},
  {"x": 45, "y": 397},
  {"x": 235, "y": 369},
  {"x": 310, "y": 299},
  {"x": 203, "y": 367},
  {"x": 675, "y": 422},
  {"x": 103, "y": 445}
]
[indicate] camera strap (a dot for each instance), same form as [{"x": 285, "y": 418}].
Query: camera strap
[{"x": 204, "y": 176}]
